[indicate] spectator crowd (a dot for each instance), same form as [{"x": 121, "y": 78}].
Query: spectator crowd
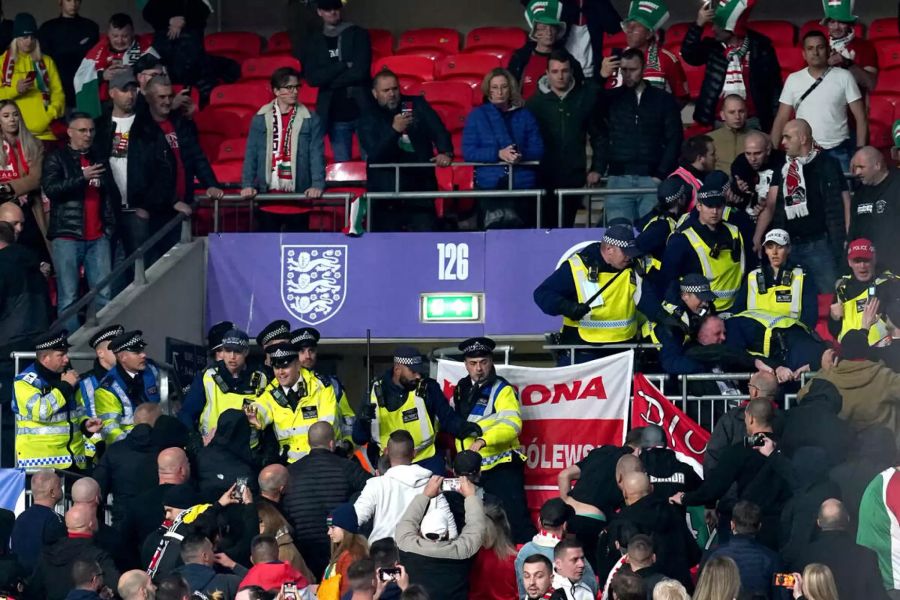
[{"x": 743, "y": 248}]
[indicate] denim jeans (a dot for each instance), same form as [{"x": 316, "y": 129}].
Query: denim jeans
[
  {"x": 843, "y": 153},
  {"x": 629, "y": 206},
  {"x": 68, "y": 258},
  {"x": 819, "y": 261},
  {"x": 341, "y": 135}
]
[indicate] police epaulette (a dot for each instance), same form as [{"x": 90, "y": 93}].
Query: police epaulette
[{"x": 325, "y": 379}]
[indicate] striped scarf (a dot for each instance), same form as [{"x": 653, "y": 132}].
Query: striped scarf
[
  {"x": 842, "y": 46},
  {"x": 41, "y": 79},
  {"x": 282, "y": 169},
  {"x": 734, "y": 74},
  {"x": 16, "y": 165}
]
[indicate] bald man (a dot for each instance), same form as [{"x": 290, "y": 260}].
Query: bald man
[
  {"x": 53, "y": 575},
  {"x": 855, "y": 567},
  {"x": 39, "y": 519},
  {"x": 136, "y": 585},
  {"x": 11, "y": 213},
  {"x": 753, "y": 170},
  {"x": 676, "y": 550},
  {"x": 272, "y": 481},
  {"x": 29, "y": 237},
  {"x": 809, "y": 198},
  {"x": 875, "y": 212},
  {"x": 128, "y": 467},
  {"x": 146, "y": 511}
]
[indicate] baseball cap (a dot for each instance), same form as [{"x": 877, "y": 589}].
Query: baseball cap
[
  {"x": 861, "y": 249},
  {"x": 330, "y": 4},
  {"x": 435, "y": 526},
  {"x": 779, "y": 236},
  {"x": 555, "y": 512},
  {"x": 622, "y": 236},
  {"x": 24, "y": 24},
  {"x": 467, "y": 462},
  {"x": 235, "y": 339},
  {"x": 121, "y": 79}
]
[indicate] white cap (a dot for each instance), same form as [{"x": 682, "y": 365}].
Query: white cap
[{"x": 779, "y": 236}]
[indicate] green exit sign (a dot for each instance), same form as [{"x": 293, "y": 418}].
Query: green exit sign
[{"x": 452, "y": 308}]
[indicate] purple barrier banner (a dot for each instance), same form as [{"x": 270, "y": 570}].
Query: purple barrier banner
[{"x": 343, "y": 286}]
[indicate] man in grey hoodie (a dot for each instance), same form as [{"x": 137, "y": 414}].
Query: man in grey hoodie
[
  {"x": 432, "y": 560},
  {"x": 198, "y": 556}
]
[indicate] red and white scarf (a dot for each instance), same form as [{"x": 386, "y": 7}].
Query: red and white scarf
[
  {"x": 103, "y": 55},
  {"x": 842, "y": 46},
  {"x": 41, "y": 80},
  {"x": 16, "y": 165},
  {"x": 282, "y": 167},
  {"x": 734, "y": 73},
  {"x": 794, "y": 185}
]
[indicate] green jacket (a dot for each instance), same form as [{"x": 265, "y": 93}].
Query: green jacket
[{"x": 565, "y": 124}]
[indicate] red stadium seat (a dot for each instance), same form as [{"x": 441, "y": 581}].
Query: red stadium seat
[
  {"x": 236, "y": 45},
  {"x": 675, "y": 34},
  {"x": 883, "y": 109},
  {"x": 464, "y": 178},
  {"x": 195, "y": 93},
  {"x": 790, "y": 59},
  {"x": 279, "y": 43},
  {"x": 694, "y": 77},
  {"x": 457, "y": 145},
  {"x": 888, "y": 54},
  {"x": 232, "y": 151},
  {"x": 249, "y": 96},
  {"x": 353, "y": 171},
  {"x": 354, "y": 150},
  {"x": 467, "y": 67},
  {"x": 696, "y": 129},
  {"x": 490, "y": 39},
  {"x": 442, "y": 39},
  {"x": 888, "y": 82},
  {"x": 447, "y": 93},
  {"x": 615, "y": 40},
  {"x": 816, "y": 25},
  {"x": 353, "y": 175},
  {"x": 382, "y": 43},
  {"x": 408, "y": 68},
  {"x": 782, "y": 33},
  {"x": 308, "y": 96},
  {"x": 215, "y": 125},
  {"x": 260, "y": 68},
  {"x": 453, "y": 117},
  {"x": 884, "y": 29},
  {"x": 228, "y": 174}
]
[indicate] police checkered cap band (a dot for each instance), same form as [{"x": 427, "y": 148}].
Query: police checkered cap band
[
  {"x": 106, "y": 334},
  {"x": 306, "y": 335},
  {"x": 709, "y": 194},
  {"x": 283, "y": 353},
  {"x": 408, "y": 360},
  {"x": 617, "y": 242},
  {"x": 236, "y": 341},
  {"x": 477, "y": 347},
  {"x": 695, "y": 289},
  {"x": 676, "y": 197},
  {"x": 135, "y": 341},
  {"x": 56, "y": 340},
  {"x": 279, "y": 331}
]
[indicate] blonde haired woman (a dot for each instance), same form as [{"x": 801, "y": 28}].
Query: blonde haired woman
[
  {"x": 669, "y": 589},
  {"x": 31, "y": 79},
  {"x": 719, "y": 580},
  {"x": 21, "y": 156},
  {"x": 816, "y": 583}
]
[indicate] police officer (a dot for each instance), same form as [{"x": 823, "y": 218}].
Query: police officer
[
  {"x": 133, "y": 381},
  {"x": 779, "y": 285},
  {"x": 90, "y": 381},
  {"x": 50, "y": 417},
  {"x": 404, "y": 397},
  {"x": 598, "y": 293},
  {"x": 306, "y": 340},
  {"x": 787, "y": 344},
  {"x": 732, "y": 213},
  {"x": 273, "y": 333},
  {"x": 864, "y": 285},
  {"x": 709, "y": 246},
  {"x": 678, "y": 322},
  {"x": 672, "y": 197},
  {"x": 491, "y": 402},
  {"x": 224, "y": 385},
  {"x": 292, "y": 402},
  {"x": 193, "y": 402}
]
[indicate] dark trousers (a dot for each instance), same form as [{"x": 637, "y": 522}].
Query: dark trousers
[
  {"x": 507, "y": 482},
  {"x": 132, "y": 231}
]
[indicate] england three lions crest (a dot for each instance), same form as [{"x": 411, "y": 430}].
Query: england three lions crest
[{"x": 313, "y": 281}]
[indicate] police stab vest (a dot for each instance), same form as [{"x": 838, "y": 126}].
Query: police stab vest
[{"x": 613, "y": 315}]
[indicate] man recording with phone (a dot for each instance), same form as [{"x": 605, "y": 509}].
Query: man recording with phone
[{"x": 756, "y": 467}]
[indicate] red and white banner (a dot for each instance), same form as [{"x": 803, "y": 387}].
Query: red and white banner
[
  {"x": 566, "y": 412},
  {"x": 686, "y": 437}
]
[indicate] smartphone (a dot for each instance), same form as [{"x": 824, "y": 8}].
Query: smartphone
[
  {"x": 450, "y": 485},
  {"x": 617, "y": 53},
  {"x": 289, "y": 590},
  {"x": 390, "y": 574},
  {"x": 240, "y": 484},
  {"x": 784, "y": 580},
  {"x": 707, "y": 4},
  {"x": 872, "y": 291},
  {"x": 407, "y": 108}
]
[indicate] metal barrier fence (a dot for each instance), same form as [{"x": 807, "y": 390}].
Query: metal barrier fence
[
  {"x": 562, "y": 193},
  {"x": 230, "y": 200}
]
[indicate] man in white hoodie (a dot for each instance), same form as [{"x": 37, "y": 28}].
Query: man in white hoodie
[{"x": 385, "y": 498}]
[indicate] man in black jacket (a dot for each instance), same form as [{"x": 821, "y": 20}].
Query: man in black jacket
[
  {"x": 84, "y": 201},
  {"x": 178, "y": 37},
  {"x": 66, "y": 39},
  {"x": 337, "y": 60},
  {"x": 667, "y": 474},
  {"x": 640, "y": 136},
  {"x": 317, "y": 483},
  {"x": 855, "y": 567},
  {"x": 163, "y": 147},
  {"x": 728, "y": 58},
  {"x": 402, "y": 129}
]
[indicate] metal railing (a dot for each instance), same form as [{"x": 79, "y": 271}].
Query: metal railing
[
  {"x": 441, "y": 353},
  {"x": 236, "y": 200},
  {"x": 398, "y": 166},
  {"x": 537, "y": 194},
  {"x": 571, "y": 349},
  {"x": 136, "y": 259},
  {"x": 562, "y": 193}
]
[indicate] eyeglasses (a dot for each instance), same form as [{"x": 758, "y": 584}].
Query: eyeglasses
[{"x": 290, "y": 88}]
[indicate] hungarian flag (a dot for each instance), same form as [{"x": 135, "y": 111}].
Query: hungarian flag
[
  {"x": 87, "y": 88},
  {"x": 358, "y": 210},
  {"x": 686, "y": 438},
  {"x": 879, "y": 524}
]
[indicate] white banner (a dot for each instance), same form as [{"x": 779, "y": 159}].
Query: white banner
[{"x": 566, "y": 411}]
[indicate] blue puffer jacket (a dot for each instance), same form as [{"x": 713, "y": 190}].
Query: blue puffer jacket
[{"x": 486, "y": 134}]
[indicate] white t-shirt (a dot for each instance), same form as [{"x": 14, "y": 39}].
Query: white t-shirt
[
  {"x": 118, "y": 159},
  {"x": 825, "y": 109}
]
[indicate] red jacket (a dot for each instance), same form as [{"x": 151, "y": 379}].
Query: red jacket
[{"x": 271, "y": 575}]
